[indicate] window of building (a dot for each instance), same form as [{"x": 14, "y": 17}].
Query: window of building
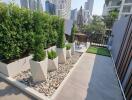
[
  {"x": 127, "y": 9},
  {"x": 128, "y": 1}
]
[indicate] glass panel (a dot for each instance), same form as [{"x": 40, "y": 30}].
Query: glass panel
[{"x": 127, "y": 8}]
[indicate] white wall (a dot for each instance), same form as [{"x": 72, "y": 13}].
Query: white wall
[{"x": 118, "y": 31}]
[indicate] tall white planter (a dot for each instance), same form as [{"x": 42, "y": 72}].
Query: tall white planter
[
  {"x": 14, "y": 68},
  {"x": 61, "y": 52},
  {"x": 53, "y": 64},
  {"x": 72, "y": 48},
  {"x": 87, "y": 44},
  {"x": 39, "y": 70},
  {"x": 68, "y": 53}
]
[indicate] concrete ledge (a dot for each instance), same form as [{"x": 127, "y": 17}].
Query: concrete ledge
[
  {"x": 66, "y": 78},
  {"x": 35, "y": 93},
  {"x": 24, "y": 88}
]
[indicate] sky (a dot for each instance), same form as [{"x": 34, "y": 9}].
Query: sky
[{"x": 97, "y": 9}]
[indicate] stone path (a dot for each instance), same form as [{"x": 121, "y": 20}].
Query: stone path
[
  {"x": 9, "y": 92},
  {"x": 93, "y": 79}
]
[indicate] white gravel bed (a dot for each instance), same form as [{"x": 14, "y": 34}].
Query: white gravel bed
[{"x": 54, "y": 79}]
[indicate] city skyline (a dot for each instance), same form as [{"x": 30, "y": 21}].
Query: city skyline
[{"x": 97, "y": 9}]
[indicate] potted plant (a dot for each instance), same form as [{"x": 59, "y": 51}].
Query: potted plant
[
  {"x": 15, "y": 40},
  {"x": 68, "y": 50},
  {"x": 72, "y": 39},
  {"x": 52, "y": 60},
  {"x": 61, "y": 49},
  {"x": 39, "y": 62}
]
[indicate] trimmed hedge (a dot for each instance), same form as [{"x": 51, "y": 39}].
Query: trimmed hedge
[
  {"x": 61, "y": 36},
  {"x": 19, "y": 29},
  {"x": 72, "y": 36}
]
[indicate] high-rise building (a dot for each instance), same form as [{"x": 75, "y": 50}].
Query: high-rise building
[
  {"x": 63, "y": 8},
  {"x": 89, "y": 6},
  {"x": 74, "y": 15},
  {"x": 126, "y": 8},
  {"x": 111, "y": 5},
  {"x": 123, "y": 6},
  {"x": 30, "y": 4},
  {"x": 50, "y": 7}
]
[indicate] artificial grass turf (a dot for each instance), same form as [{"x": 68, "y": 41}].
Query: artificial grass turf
[{"x": 99, "y": 51}]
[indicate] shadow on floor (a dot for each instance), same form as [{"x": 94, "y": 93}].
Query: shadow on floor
[
  {"x": 103, "y": 84},
  {"x": 11, "y": 91}
]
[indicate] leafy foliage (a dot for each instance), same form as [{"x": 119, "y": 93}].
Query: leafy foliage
[
  {"x": 39, "y": 53},
  {"x": 97, "y": 26},
  {"x": 61, "y": 36},
  {"x": 111, "y": 18},
  {"x": 52, "y": 54},
  {"x": 72, "y": 36},
  {"x": 23, "y": 32},
  {"x": 68, "y": 46},
  {"x": 15, "y": 35}
]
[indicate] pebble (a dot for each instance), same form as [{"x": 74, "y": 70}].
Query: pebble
[{"x": 54, "y": 79}]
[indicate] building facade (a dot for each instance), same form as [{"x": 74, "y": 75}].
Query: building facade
[
  {"x": 62, "y": 8},
  {"x": 126, "y": 8},
  {"x": 123, "y": 6},
  {"x": 74, "y": 15},
  {"x": 89, "y": 6},
  {"x": 122, "y": 53},
  {"x": 29, "y": 4},
  {"x": 50, "y": 7}
]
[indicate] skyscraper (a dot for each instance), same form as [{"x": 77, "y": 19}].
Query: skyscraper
[
  {"x": 63, "y": 8},
  {"x": 123, "y": 6},
  {"x": 74, "y": 15},
  {"x": 50, "y": 7},
  {"x": 30, "y": 4},
  {"x": 89, "y": 6}
]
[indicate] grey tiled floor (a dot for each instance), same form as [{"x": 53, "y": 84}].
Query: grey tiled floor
[
  {"x": 9, "y": 92},
  {"x": 94, "y": 78}
]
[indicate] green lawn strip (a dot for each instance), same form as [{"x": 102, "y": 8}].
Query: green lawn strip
[{"x": 99, "y": 51}]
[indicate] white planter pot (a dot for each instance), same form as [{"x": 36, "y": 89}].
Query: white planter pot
[
  {"x": 68, "y": 53},
  {"x": 61, "y": 52},
  {"x": 39, "y": 70},
  {"x": 14, "y": 68},
  {"x": 72, "y": 48},
  {"x": 53, "y": 64},
  {"x": 87, "y": 44}
]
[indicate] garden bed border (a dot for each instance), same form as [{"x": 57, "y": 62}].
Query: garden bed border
[{"x": 35, "y": 93}]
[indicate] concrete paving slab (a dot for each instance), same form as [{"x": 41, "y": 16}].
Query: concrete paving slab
[
  {"x": 9, "y": 92},
  {"x": 94, "y": 78}
]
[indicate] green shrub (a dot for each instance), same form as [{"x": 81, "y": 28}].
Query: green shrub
[
  {"x": 72, "y": 36},
  {"x": 19, "y": 29},
  {"x": 68, "y": 46},
  {"x": 52, "y": 54},
  {"x": 16, "y": 35},
  {"x": 61, "y": 36},
  {"x": 39, "y": 53}
]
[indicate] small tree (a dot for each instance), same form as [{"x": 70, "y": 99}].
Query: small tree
[
  {"x": 61, "y": 36},
  {"x": 39, "y": 53},
  {"x": 72, "y": 36}
]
